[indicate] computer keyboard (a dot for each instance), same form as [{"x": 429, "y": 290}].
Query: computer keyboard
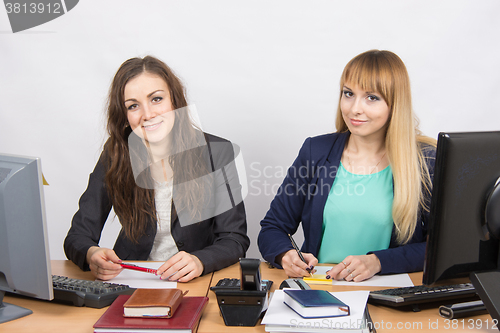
[
  {"x": 421, "y": 294},
  {"x": 94, "y": 294},
  {"x": 234, "y": 284}
]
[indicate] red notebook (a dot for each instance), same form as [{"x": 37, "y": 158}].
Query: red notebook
[{"x": 185, "y": 318}]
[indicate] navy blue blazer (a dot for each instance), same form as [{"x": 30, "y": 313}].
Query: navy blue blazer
[{"x": 302, "y": 198}]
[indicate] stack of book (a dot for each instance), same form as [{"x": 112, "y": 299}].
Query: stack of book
[
  {"x": 280, "y": 317},
  {"x": 146, "y": 314}
]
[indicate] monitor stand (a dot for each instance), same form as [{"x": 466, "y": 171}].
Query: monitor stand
[
  {"x": 10, "y": 312},
  {"x": 488, "y": 288}
]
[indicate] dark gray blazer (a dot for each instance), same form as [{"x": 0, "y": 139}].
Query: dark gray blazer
[{"x": 217, "y": 241}]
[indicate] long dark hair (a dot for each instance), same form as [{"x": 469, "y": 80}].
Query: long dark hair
[{"x": 135, "y": 205}]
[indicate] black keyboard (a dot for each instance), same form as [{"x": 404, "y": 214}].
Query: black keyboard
[
  {"x": 94, "y": 294},
  {"x": 234, "y": 284},
  {"x": 421, "y": 294}
]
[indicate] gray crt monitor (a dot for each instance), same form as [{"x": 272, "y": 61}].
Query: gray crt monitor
[{"x": 24, "y": 249}]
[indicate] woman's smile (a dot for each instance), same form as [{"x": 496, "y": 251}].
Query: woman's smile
[
  {"x": 357, "y": 122},
  {"x": 152, "y": 127}
]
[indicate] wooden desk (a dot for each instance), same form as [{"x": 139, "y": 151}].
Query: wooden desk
[
  {"x": 385, "y": 319},
  {"x": 54, "y": 318},
  {"x": 212, "y": 321}
]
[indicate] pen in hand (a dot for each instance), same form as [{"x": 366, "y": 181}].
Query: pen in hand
[
  {"x": 300, "y": 254},
  {"x": 138, "y": 268}
]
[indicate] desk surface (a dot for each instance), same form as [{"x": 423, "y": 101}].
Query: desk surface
[
  {"x": 61, "y": 318},
  {"x": 384, "y": 318},
  {"x": 54, "y": 318}
]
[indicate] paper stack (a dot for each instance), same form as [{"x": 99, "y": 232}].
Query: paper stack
[{"x": 280, "y": 318}]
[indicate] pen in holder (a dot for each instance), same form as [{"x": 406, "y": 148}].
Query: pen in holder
[{"x": 245, "y": 306}]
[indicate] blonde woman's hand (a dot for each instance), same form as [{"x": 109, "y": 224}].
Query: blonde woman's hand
[
  {"x": 181, "y": 267},
  {"x": 295, "y": 267},
  {"x": 104, "y": 263},
  {"x": 355, "y": 268}
]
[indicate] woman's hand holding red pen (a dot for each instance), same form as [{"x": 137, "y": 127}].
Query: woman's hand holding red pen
[
  {"x": 104, "y": 263},
  {"x": 182, "y": 267}
]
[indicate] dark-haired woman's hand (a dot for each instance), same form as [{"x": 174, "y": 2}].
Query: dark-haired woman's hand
[
  {"x": 104, "y": 263},
  {"x": 182, "y": 267},
  {"x": 356, "y": 268}
]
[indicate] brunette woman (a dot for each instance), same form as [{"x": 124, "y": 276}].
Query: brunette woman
[{"x": 174, "y": 188}]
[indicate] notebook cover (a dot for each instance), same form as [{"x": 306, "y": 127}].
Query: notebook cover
[
  {"x": 314, "y": 298},
  {"x": 143, "y": 299},
  {"x": 185, "y": 318}
]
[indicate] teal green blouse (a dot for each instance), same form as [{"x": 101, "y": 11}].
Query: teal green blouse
[{"x": 357, "y": 217}]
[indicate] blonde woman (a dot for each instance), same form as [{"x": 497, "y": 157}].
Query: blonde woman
[{"x": 362, "y": 193}]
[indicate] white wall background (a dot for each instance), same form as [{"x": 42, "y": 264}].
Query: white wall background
[{"x": 263, "y": 74}]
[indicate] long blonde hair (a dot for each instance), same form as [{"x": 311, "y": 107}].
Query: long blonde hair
[{"x": 385, "y": 73}]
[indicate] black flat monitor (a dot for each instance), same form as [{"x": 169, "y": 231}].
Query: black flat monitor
[
  {"x": 24, "y": 251},
  {"x": 464, "y": 214}
]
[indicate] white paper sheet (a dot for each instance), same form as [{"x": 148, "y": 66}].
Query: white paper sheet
[
  {"x": 279, "y": 313},
  {"x": 137, "y": 279},
  {"x": 393, "y": 280}
]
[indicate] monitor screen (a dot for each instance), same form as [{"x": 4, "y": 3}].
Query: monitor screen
[
  {"x": 466, "y": 173},
  {"x": 24, "y": 252}
]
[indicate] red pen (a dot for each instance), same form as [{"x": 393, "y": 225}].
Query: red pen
[{"x": 139, "y": 268}]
